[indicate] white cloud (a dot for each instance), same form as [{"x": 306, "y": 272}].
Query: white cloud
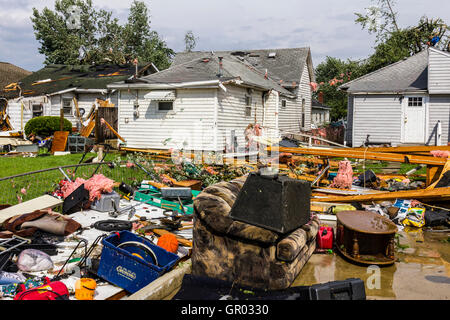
[{"x": 327, "y": 26}]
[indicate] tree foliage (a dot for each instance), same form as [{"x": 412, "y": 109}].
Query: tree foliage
[
  {"x": 93, "y": 36},
  {"x": 332, "y": 73},
  {"x": 392, "y": 44}
]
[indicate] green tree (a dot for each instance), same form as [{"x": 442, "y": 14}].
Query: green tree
[
  {"x": 409, "y": 41},
  {"x": 332, "y": 73},
  {"x": 75, "y": 32},
  {"x": 63, "y": 33},
  {"x": 143, "y": 43},
  {"x": 392, "y": 44},
  {"x": 380, "y": 19}
]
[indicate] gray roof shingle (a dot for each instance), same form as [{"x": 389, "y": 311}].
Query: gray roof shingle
[
  {"x": 410, "y": 74},
  {"x": 206, "y": 67},
  {"x": 287, "y": 65}
]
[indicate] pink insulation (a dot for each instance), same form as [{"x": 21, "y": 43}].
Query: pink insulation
[
  {"x": 440, "y": 154},
  {"x": 70, "y": 187},
  {"x": 96, "y": 185},
  {"x": 344, "y": 176}
]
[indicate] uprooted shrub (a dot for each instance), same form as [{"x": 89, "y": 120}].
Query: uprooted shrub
[{"x": 46, "y": 126}]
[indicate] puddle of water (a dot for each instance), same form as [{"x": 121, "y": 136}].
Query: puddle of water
[{"x": 422, "y": 270}]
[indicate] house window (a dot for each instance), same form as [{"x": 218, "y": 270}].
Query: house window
[
  {"x": 165, "y": 106},
  {"x": 38, "y": 110},
  {"x": 283, "y": 103},
  {"x": 248, "y": 111},
  {"x": 415, "y": 102},
  {"x": 67, "y": 106}
]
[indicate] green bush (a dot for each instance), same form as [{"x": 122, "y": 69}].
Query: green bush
[{"x": 45, "y": 126}]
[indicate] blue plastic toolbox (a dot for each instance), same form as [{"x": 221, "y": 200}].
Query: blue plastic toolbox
[{"x": 125, "y": 265}]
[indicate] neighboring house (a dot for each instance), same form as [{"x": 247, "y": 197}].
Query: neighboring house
[
  {"x": 407, "y": 102},
  {"x": 320, "y": 114},
  {"x": 54, "y": 87},
  {"x": 206, "y": 100}
]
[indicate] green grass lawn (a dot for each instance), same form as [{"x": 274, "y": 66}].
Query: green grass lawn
[
  {"x": 40, "y": 183},
  {"x": 10, "y": 166}
]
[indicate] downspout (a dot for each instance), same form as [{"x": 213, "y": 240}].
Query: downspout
[
  {"x": 277, "y": 109},
  {"x": 216, "y": 116}
]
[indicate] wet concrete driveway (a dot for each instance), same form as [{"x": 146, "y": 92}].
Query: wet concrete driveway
[{"x": 421, "y": 272}]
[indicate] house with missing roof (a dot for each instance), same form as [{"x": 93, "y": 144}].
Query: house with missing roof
[
  {"x": 407, "y": 102},
  {"x": 206, "y": 100},
  {"x": 55, "y": 87}
]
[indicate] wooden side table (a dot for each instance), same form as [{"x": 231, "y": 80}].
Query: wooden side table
[{"x": 366, "y": 237}]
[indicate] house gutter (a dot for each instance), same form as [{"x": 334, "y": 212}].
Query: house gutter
[{"x": 149, "y": 85}]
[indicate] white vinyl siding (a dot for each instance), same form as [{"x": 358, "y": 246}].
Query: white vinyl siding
[
  {"x": 439, "y": 109},
  {"x": 14, "y": 110},
  {"x": 290, "y": 117},
  {"x": 85, "y": 101},
  {"x": 305, "y": 92},
  {"x": 190, "y": 125},
  {"x": 439, "y": 72},
  {"x": 232, "y": 106},
  {"x": 378, "y": 116}
]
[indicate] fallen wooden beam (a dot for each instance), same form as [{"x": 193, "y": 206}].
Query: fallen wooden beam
[
  {"x": 434, "y": 194},
  {"x": 410, "y": 149},
  {"x": 379, "y": 156},
  {"x": 103, "y": 121}
]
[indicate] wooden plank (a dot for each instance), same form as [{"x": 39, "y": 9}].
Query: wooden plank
[
  {"x": 409, "y": 149},
  {"x": 379, "y": 156},
  {"x": 441, "y": 174},
  {"x": 112, "y": 130},
  {"x": 39, "y": 203},
  {"x": 61, "y": 119},
  {"x": 334, "y": 164},
  {"x": 435, "y": 194},
  {"x": 433, "y": 173},
  {"x": 77, "y": 109},
  {"x": 59, "y": 141}
]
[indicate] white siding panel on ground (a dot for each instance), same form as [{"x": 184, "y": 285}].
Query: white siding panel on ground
[
  {"x": 378, "y": 116},
  {"x": 439, "y": 109},
  {"x": 439, "y": 72},
  {"x": 190, "y": 125}
]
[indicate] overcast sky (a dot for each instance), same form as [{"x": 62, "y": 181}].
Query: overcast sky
[{"x": 326, "y": 26}]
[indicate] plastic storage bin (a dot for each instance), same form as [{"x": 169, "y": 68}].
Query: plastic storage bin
[{"x": 127, "y": 269}]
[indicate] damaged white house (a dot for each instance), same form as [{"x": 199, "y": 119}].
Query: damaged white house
[{"x": 206, "y": 100}]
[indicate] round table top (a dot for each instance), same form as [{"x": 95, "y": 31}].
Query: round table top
[{"x": 366, "y": 222}]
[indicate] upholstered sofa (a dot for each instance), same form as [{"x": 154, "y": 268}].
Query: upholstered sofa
[{"x": 245, "y": 254}]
